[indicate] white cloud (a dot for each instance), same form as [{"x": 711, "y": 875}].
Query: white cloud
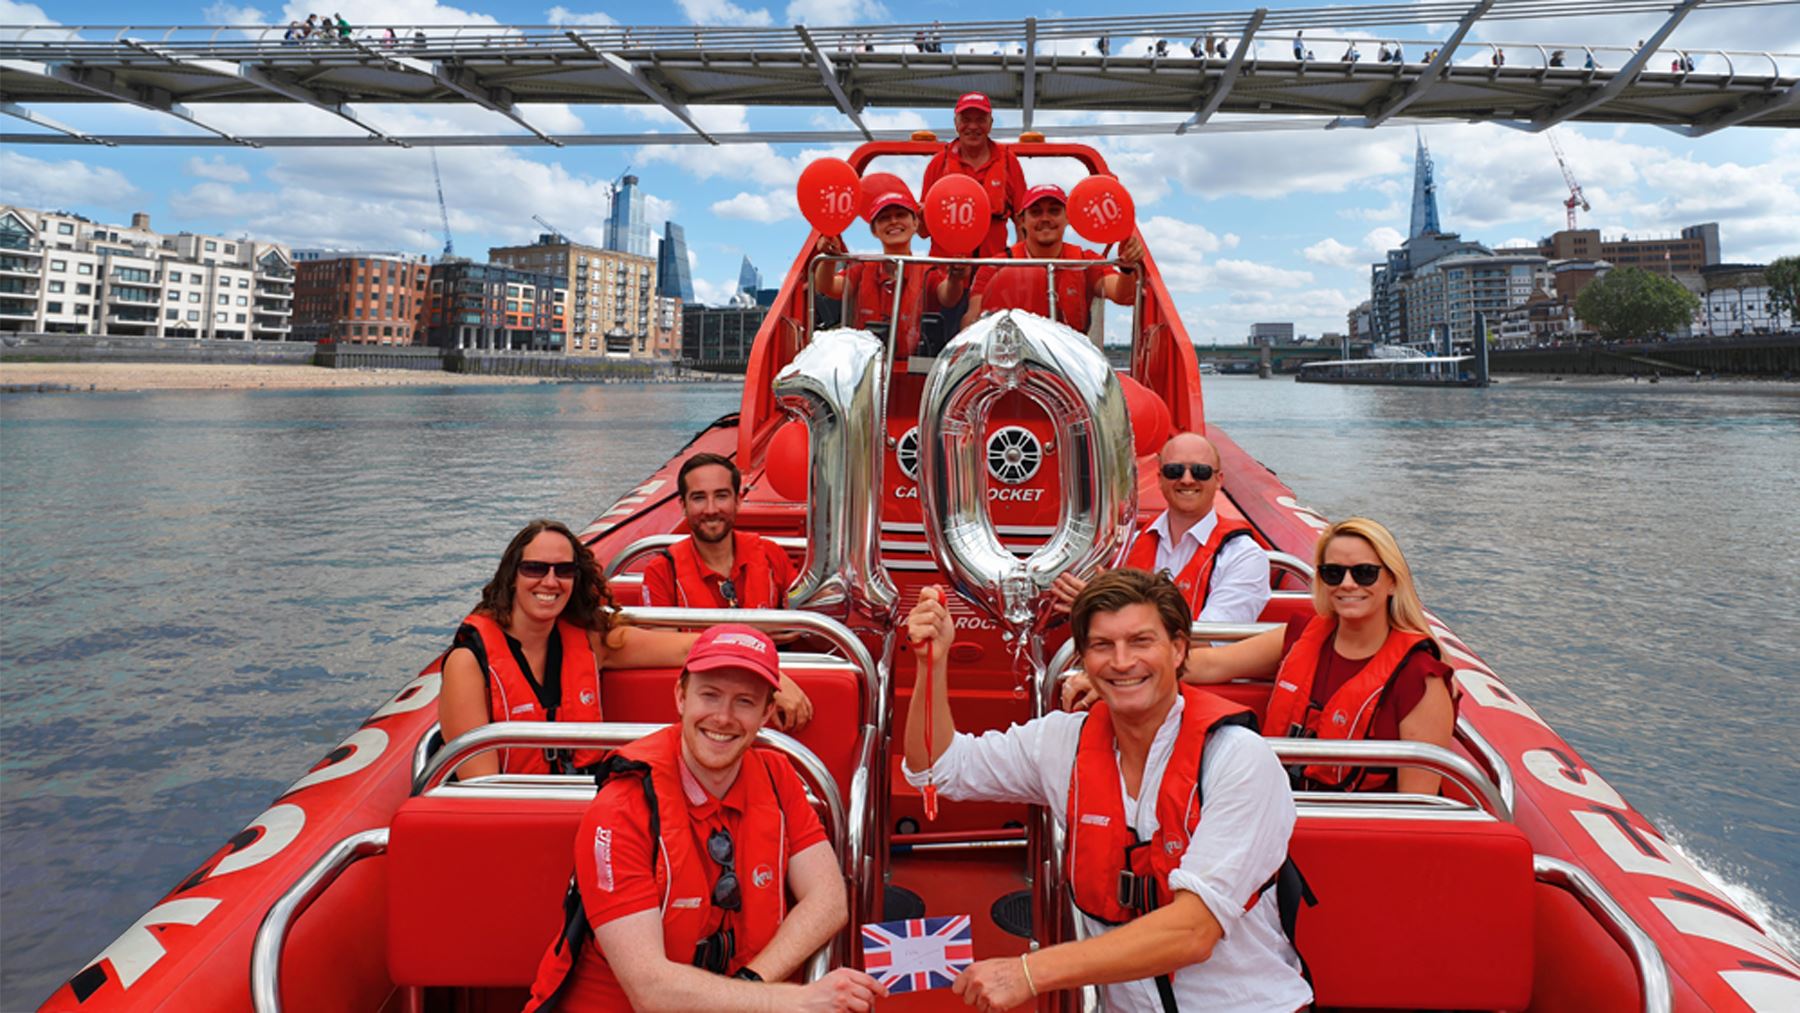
[
  {"x": 1373, "y": 247},
  {"x": 217, "y": 168},
  {"x": 724, "y": 12},
  {"x": 225, "y": 13},
  {"x": 564, "y": 16},
  {"x": 14, "y": 13},
  {"x": 765, "y": 208},
  {"x": 52, "y": 186},
  {"x": 834, "y": 12},
  {"x": 710, "y": 293},
  {"x": 1248, "y": 274}
]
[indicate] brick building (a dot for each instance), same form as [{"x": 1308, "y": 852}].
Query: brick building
[
  {"x": 612, "y": 307},
  {"x": 1695, "y": 248},
  {"x": 491, "y": 306},
  {"x": 361, "y": 298}
]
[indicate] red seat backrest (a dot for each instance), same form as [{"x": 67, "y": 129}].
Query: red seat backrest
[
  {"x": 475, "y": 887},
  {"x": 648, "y": 694},
  {"x": 1417, "y": 913}
]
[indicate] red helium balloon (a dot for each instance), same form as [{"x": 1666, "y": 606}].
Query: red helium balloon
[
  {"x": 830, "y": 195},
  {"x": 1150, "y": 419},
  {"x": 1101, "y": 210},
  {"x": 879, "y": 184},
  {"x": 787, "y": 465},
  {"x": 957, "y": 212}
]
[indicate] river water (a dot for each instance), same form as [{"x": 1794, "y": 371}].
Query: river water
[{"x": 205, "y": 592}]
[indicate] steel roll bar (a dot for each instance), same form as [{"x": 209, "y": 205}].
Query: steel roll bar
[
  {"x": 1423, "y": 755},
  {"x": 271, "y": 935},
  {"x": 634, "y": 551},
  {"x": 850, "y": 835},
  {"x": 1291, "y": 563},
  {"x": 1652, "y": 970},
  {"x": 1481, "y": 747}
]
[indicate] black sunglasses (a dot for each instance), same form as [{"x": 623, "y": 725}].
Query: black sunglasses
[
  {"x": 725, "y": 891},
  {"x": 1364, "y": 574},
  {"x": 1201, "y": 472},
  {"x": 535, "y": 569},
  {"x": 728, "y": 591}
]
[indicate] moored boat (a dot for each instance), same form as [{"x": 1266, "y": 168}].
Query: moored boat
[{"x": 1530, "y": 884}]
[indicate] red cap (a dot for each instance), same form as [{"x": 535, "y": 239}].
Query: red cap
[
  {"x": 1044, "y": 191},
  {"x": 975, "y": 100},
  {"x": 892, "y": 197},
  {"x": 736, "y": 647}
]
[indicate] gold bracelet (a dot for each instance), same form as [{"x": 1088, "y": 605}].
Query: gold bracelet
[{"x": 1026, "y": 966}]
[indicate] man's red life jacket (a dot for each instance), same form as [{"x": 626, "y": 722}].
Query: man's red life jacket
[
  {"x": 998, "y": 176},
  {"x": 757, "y": 590},
  {"x": 1116, "y": 877},
  {"x": 1023, "y": 288},
  {"x": 511, "y": 696},
  {"x": 1195, "y": 579},
  {"x": 1349, "y": 712},
  {"x": 685, "y": 874}
]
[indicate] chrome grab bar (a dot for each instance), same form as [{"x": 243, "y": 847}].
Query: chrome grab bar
[
  {"x": 271, "y": 935},
  {"x": 1478, "y": 744},
  {"x": 634, "y": 551},
  {"x": 1292, "y": 564},
  {"x": 1383, "y": 752},
  {"x": 850, "y": 836},
  {"x": 422, "y": 749},
  {"x": 1652, "y": 971}
]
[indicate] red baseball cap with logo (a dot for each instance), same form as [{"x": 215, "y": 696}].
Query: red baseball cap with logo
[
  {"x": 1044, "y": 191},
  {"x": 736, "y": 647},
  {"x": 891, "y": 198},
  {"x": 975, "y": 100}
]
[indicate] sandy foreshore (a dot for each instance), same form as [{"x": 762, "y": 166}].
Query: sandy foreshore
[
  {"x": 1667, "y": 384},
  {"x": 127, "y": 376}
]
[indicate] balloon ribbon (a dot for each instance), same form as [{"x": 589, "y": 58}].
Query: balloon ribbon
[{"x": 930, "y": 791}]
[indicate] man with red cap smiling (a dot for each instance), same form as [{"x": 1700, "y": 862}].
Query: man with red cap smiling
[
  {"x": 685, "y": 862},
  {"x": 1043, "y": 218},
  {"x": 989, "y": 162}
]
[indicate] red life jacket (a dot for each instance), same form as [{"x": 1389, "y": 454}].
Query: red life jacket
[
  {"x": 685, "y": 874},
  {"x": 1023, "y": 287},
  {"x": 1349, "y": 712},
  {"x": 512, "y": 698},
  {"x": 993, "y": 176},
  {"x": 1116, "y": 877},
  {"x": 1195, "y": 579},
  {"x": 875, "y": 300},
  {"x": 756, "y": 591}
]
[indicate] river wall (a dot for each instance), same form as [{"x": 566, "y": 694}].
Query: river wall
[
  {"x": 331, "y": 355},
  {"x": 1771, "y": 356}
]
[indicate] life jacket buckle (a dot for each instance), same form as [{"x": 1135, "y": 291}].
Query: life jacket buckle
[{"x": 1133, "y": 891}]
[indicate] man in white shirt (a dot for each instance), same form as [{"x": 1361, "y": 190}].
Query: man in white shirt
[
  {"x": 1219, "y": 567},
  {"x": 1189, "y": 921}
]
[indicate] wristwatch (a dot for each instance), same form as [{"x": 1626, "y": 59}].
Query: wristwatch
[{"x": 747, "y": 974}]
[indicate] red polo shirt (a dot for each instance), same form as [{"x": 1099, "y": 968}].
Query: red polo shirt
[
  {"x": 1023, "y": 287},
  {"x": 1000, "y": 176}
]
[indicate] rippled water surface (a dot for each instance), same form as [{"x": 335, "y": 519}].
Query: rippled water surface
[{"x": 206, "y": 591}]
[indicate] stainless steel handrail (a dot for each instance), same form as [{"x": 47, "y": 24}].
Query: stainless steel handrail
[
  {"x": 852, "y": 836},
  {"x": 1383, "y": 752},
  {"x": 1292, "y": 563},
  {"x": 1480, "y": 746},
  {"x": 1063, "y": 661},
  {"x": 634, "y": 551},
  {"x": 271, "y": 935},
  {"x": 1652, "y": 971},
  {"x": 422, "y": 749}
]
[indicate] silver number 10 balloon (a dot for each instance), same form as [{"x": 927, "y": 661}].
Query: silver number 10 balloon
[{"x": 1065, "y": 374}]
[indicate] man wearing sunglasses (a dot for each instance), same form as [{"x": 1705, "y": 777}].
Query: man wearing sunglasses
[
  {"x": 1219, "y": 566},
  {"x": 687, "y": 858}
]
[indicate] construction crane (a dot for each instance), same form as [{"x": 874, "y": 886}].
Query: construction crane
[
  {"x": 1576, "y": 198},
  {"x": 443, "y": 208},
  {"x": 558, "y": 233}
]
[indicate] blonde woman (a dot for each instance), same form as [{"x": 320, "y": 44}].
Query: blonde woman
[{"x": 1365, "y": 667}]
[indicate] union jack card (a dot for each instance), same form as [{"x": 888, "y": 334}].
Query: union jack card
[{"x": 919, "y": 953}]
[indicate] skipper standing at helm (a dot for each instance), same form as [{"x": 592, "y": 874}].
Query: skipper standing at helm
[
  {"x": 1366, "y": 667},
  {"x": 533, "y": 649},
  {"x": 988, "y": 162}
]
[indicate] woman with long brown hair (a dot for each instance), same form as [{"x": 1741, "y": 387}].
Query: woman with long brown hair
[{"x": 534, "y": 647}]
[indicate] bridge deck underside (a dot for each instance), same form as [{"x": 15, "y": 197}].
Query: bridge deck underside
[{"x": 897, "y": 80}]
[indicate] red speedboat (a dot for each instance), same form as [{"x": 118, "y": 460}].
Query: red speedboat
[{"x": 1528, "y": 884}]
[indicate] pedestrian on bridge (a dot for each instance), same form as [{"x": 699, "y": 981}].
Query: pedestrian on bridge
[{"x": 1299, "y": 47}]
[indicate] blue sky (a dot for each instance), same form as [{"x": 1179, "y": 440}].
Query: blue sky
[{"x": 1247, "y": 227}]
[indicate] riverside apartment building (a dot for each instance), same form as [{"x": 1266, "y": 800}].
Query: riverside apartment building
[
  {"x": 612, "y": 297},
  {"x": 64, "y": 273},
  {"x": 361, "y": 298}
]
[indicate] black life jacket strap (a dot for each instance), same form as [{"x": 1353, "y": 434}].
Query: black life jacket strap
[{"x": 576, "y": 932}]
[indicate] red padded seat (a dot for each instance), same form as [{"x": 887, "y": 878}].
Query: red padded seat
[
  {"x": 1417, "y": 913},
  {"x": 475, "y": 887}
]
